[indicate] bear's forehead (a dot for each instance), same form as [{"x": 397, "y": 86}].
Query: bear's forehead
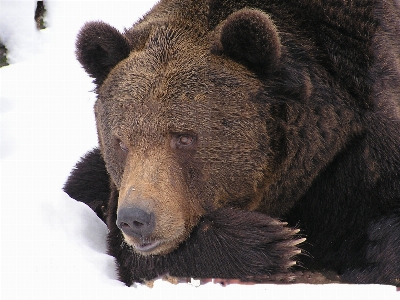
[
  {"x": 173, "y": 79},
  {"x": 176, "y": 57},
  {"x": 184, "y": 92}
]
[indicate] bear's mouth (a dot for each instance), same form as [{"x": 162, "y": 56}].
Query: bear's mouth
[{"x": 146, "y": 246}]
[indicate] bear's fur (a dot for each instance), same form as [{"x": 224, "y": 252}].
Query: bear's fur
[
  {"x": 89, "y": 183},
  {"x": 216, "y": 119}
]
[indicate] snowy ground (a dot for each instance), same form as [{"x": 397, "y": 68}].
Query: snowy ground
[{"x": 53, "y": 247}]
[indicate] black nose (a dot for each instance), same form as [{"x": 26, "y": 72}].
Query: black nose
[{"x": 136, "y": 222}]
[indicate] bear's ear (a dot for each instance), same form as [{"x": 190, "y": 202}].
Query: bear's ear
[
  {"x": 250, "y": 37},
  {"x": 99, "y": 47}
]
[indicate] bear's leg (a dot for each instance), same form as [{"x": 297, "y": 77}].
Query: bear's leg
[
  {"x": 89, "y": 183},
  {"x": 382, "y": 255}
]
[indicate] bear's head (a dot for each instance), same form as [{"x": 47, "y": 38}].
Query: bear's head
[{"x": 191, "y": 119}]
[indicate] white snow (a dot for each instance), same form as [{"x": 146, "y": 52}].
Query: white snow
[{"x": 53, "y": 247}]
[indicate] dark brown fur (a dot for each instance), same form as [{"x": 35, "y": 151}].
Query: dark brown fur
[
  {"x": 299, "y": 123},
  {"x": 89, "y": 182},
  {"x": 258, "y": 246}
]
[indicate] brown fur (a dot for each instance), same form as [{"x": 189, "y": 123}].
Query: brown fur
[
  {"x": 300, "y": 122},
  {"x": 228, "y": 109},
  {"x": 167, "y": 177},
  {"x": 203, "y": 254}
]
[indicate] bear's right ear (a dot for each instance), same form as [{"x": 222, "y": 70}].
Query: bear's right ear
[{"x": 99, "y": 48}]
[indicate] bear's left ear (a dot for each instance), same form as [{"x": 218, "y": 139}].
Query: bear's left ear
[
  {"x": 99, "y": 48},
  {"x": 250, "y": 37}
]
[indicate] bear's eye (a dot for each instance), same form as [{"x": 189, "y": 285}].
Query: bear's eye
[
  {"x": 183, "y": 141},
  {"x": 123, "y": 146}
]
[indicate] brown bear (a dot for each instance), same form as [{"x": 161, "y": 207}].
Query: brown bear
[{"x": 220, "y": 122}]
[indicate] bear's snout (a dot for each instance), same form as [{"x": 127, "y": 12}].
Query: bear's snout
[{"x": 136, "y": 222}]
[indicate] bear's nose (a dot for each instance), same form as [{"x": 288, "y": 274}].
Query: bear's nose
[{"x": 136, "y": 222}]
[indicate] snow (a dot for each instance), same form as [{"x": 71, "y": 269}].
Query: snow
[{"x": 53, "y": 247}]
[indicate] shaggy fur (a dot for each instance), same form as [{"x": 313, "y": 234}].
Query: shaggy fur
[
  {"x": 226, "y": 243},
  {"x": 214, "y": 136},
  {"x": 250, "y": 37},
  {"x": 97, "y": 41},
  {"x": 89, "y": 183}
]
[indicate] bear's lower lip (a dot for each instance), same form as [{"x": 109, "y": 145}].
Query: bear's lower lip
[{"x": 146, "y": 246}]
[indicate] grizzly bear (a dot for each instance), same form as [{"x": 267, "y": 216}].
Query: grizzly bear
[{"x": 247, "y": 139}]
